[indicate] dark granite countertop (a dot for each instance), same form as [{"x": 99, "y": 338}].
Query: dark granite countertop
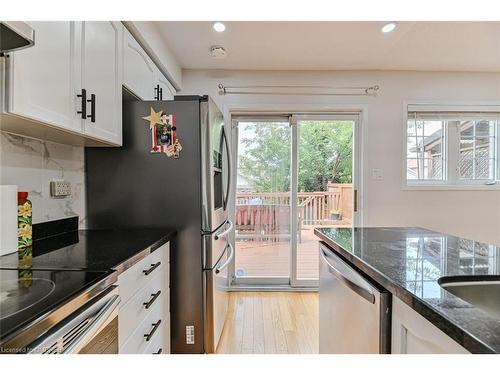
[
  {"x": 408, "y": 262},
  {"x": 97, "y": 250}
]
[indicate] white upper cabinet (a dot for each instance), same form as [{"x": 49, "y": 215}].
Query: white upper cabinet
[
  {"x": 139, "y": 71},
  {"x": 140, "y": 74},
  {"x": 165, "y": 89},
  {"x": 102, "y": 79},
  {"x": 41, "y": 79},
  {"x": 45, "y": 83}
]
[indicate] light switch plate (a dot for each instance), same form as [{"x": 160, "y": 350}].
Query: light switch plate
[
  {"x": 60, "y": 188},
  {"x": 377, "y": 174}
]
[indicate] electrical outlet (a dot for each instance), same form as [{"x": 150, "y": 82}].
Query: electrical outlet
[
  {"x": 190, "y": 335},
  {"x": 60, "y": 188}
]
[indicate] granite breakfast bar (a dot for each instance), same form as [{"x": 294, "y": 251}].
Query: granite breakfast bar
[{"x": 411, "y": 263}]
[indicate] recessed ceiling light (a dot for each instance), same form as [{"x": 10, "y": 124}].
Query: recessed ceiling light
[
  {"x": 388, "y": 27},
  {"x": 219, "y": 27}
]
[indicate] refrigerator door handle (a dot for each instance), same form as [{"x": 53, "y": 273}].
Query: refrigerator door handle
[
  {"x": 344, "y": 279},
  {"x": 225, "y": 232},
  {"x": 228, "y": 260},
  {"x": 229, "y": 168}
]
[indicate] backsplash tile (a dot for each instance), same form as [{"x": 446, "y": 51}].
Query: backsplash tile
[{"x": 32, "y": 164}]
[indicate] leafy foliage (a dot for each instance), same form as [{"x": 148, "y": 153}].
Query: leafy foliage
[{"x": 325, "y": 154}]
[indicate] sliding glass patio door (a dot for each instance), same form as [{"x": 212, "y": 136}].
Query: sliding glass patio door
[
  {"x": 324, "y": 184},
  {"x": 294, "y": 173},
  {"x": 262, "y": 214}
]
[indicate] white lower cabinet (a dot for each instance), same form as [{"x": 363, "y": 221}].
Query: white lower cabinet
[
  {"x": 144, "y": 316},
  {"x": 413, "y": 334}
]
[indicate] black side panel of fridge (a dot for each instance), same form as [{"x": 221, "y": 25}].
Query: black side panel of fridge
[{"x": 129, "y": 187}]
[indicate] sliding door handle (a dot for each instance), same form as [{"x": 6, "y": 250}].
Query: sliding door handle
[
  {"x": 355, "y": 200},
  {"x": 83, "y": 111},
  {"x": 92, "y": 107}
]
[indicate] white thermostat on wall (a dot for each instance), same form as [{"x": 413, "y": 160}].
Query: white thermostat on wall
[{"x": 60, "y": 188}]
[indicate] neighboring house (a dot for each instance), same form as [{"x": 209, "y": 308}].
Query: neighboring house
[
  {"x": 474, "y": 156},
  {"x": 243, "y": 185}
]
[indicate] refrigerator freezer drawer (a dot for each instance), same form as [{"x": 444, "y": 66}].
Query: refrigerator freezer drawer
[{"x": 354, "y": 313}]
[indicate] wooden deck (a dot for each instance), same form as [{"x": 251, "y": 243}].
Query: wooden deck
[
  {"x": 256, "y": 258},
  {"x": 271, "y": 323}
]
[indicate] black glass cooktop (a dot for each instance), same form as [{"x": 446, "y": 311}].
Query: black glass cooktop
[
  {"x": 90, "y": 249},
  {"x": 26, "y": 294}
]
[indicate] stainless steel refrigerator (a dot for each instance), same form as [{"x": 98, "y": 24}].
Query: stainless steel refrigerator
[{"x": 133, "y": 187}]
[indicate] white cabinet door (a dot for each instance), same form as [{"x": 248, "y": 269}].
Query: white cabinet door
[
  {"x": 41, "y": 80},
  {"x": 139, "y": 71},
  {"x": 167, "y": 91},
  {"x": 413, "y": 334},
  {"x": 102, "y": 77}
]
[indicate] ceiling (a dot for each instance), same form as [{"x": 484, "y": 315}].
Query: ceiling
[{"x": 436, "y": 46}]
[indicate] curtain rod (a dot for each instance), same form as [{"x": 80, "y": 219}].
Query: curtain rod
[{"x": 254, "y": 89}]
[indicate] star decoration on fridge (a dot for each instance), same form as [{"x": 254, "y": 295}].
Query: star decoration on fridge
[{"x": 154, "y": 118}]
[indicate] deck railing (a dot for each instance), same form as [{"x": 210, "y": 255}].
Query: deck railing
[{"x": 313, "y": 207}]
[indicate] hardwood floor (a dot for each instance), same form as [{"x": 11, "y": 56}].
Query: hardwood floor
[{"x": 271, "y": 323}]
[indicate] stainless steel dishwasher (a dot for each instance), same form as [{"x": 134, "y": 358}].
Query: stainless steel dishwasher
[{"x": 354, "y": 314}]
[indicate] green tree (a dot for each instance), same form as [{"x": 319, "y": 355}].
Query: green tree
[{"x": 325, "y": 154}]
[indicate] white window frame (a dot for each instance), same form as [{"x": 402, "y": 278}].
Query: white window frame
[{"x": 450, "y": 181}]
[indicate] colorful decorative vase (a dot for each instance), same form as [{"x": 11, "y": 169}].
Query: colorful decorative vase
[
  {"x": 24, "y": 226},
  {"x": 24, "y": 239}
]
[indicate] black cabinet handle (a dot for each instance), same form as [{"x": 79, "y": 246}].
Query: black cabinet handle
[
  {"x": 92, "y": 107},
  {"x": 154, "y": 296},
  {"x": 157, "y": 92},
  {"x": 159, "y": 351},
  {"x": 161, "y": 93},
  {"x": 152, "y": 332},
  {"x": 83, "y": 111},
  {"x": 152, "y": 268}
]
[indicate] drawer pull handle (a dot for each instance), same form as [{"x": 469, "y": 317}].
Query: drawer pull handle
[
  {"x": 152, "y": 268},
  {"x": 154, "y": 296},
  {"x": 155, "y": 327},
  {"x": 159, "y": 351}
]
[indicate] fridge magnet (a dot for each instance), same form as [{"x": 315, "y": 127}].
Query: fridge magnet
[{"x": 163, "y": 134}]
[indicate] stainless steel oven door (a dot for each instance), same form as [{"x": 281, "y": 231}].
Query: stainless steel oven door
[
  {"x": 93, "y": 329},
  {"x": 216, "y": 166}
]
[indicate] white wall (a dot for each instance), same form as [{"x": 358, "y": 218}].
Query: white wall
[
  {"x": 31, "y": 164},
  {"x": 471, "y": 214}
]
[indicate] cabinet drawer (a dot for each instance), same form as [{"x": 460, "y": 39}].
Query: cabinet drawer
[
  {"x": 137, "y": 343},
  {"x": 133, "y": 279},
  {"x": 159, "y": 341},
  {"x": 134, "y": 310}
]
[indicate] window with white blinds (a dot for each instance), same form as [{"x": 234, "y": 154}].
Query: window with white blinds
[{"x": 452, "y": 146}]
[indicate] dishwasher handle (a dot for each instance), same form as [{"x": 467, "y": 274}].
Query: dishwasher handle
[{"x": 360, "y": 290}]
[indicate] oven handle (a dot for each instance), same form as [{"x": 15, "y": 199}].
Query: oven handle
[{"x": 104, "y": 314}]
